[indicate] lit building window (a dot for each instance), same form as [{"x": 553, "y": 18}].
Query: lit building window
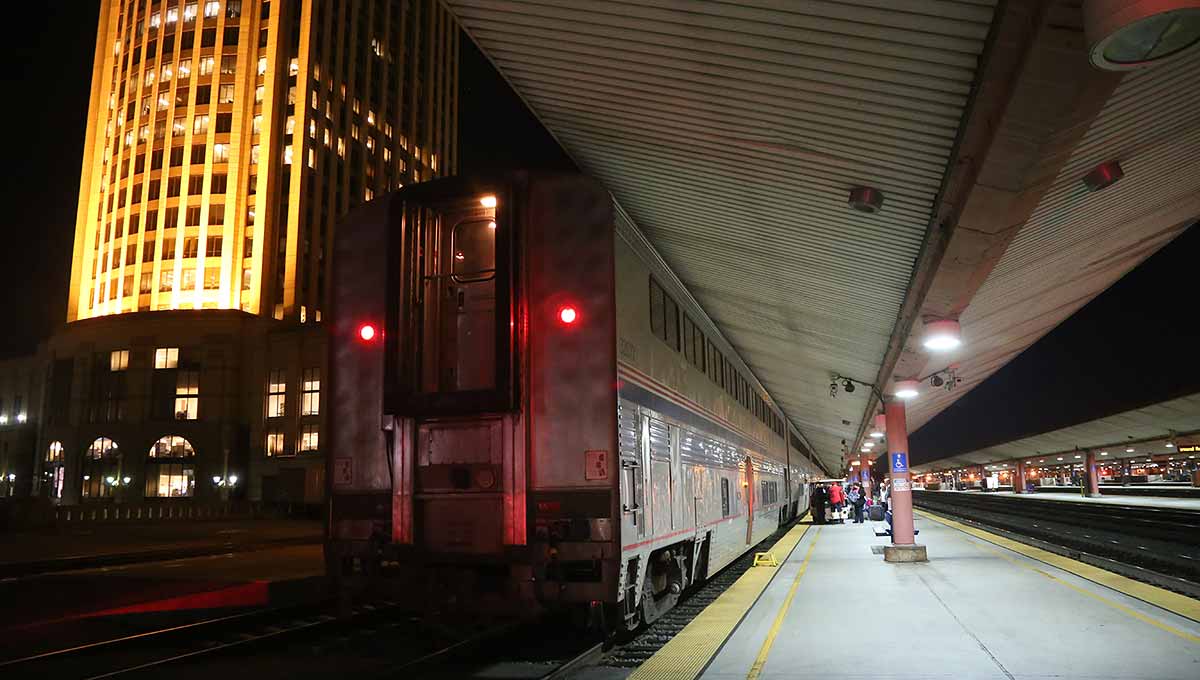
[
  {"x": 167, "y": 72},
  {"x": 290, "y": 126},
  {"x": 256, "y": 128},
  {"x": 229, "y": 65},
  {"x": 293, "y": 67},
  {"x": 118, "y": 360},
  {"x": 312, "y": 129},
  {"x": 212, "y": 8},
  {"x": 262, "y": 66},
  {"x": 354, "y": 131},
  {"x": 225, "y": 94},
  {"x": 370, "y": 117},
  {"x": 170, "y": 472},
  {"x": 275, "y": 444},
  {"x": 187, "y": 395},
  {"x": 212, "y": 278},
  {"x": 258, "y": 94},
  {"x": 309, "y": 439},
  {"x": 189, "y": 279},
  {"x": 254, "y": 154},
  {"x": 220, "y": 153},
  {"x": 206, "y": 65},
  {"x": 172, "y": 15},
  {"x": 276, "y": 394},
  {"x": 166, "y": 280},
  {"x": 53, "y": 470},
  {"x": 287, "y": 155},
  {"x": 341, "y": 147},
  {"x": 189, "y": 12},
  {"x": 101, "y": 469},
  {"x": 310, "y": 398},
  {"x": 155, "y": 20},
  {"x": 166, "y": 357},
  {"x": 200, "y": 125},
  {"x": 185, "y": 69}
]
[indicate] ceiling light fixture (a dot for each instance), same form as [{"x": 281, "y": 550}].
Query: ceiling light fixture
[
  {"x": 942, "y": 335},
  {"x": 1127, "y": 34},
  {"x": 866, "y": 199},
  {"x": 907, "y": 389}
]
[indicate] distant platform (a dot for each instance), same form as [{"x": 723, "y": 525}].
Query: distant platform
[
  {"x": 1147, "y": 501},
  {"x": 982, "y": 607}
]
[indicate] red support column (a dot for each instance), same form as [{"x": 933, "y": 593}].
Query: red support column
[
  {"x": 1019, "y": 478},
  {"x": 1092, "y": 475},
  {"x": 904, "y": 548}
]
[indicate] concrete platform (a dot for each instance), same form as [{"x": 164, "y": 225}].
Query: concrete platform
[
  {"x": 1147, "y": 501},
  {"x": 980, "y": 608}
]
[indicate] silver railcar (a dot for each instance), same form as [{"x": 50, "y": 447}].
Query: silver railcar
[{"x": 529, "y": 412}]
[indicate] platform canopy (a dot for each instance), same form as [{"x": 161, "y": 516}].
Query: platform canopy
[
  {"x": 1147, "y": 431},
  {"x": 732, "y": 134}
]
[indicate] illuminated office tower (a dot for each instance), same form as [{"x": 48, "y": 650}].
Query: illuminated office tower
[
  {"x": 225, "y": 137},
  {"x": 224, "y": 140}
]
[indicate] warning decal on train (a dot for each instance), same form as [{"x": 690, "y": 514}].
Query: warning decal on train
[
  {"x": 343, "y": 471},
  {"x": 596, "y": 463}
]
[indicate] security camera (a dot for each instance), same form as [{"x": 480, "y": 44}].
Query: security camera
[
  {"x": 848, "y": 386},
  {"x": 937, "y": 381}
]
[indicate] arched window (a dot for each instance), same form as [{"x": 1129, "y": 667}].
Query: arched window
[
  {"x": 52, "y": 471},
  {"x": 101, "y": 469},
  {"x": 171, "y": 468}
]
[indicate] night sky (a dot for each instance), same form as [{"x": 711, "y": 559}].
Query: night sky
[{"x": 1134, "y": 345}]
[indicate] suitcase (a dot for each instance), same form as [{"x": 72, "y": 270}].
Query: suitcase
[{"x": 876, "y": 513}]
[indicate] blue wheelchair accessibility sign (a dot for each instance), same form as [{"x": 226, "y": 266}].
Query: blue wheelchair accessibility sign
[{"x": 899, "y": 462}]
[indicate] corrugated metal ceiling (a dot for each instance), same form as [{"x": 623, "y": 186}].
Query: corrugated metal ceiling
[
  {"x": 1178, "y": 415},
  {"x": 732, "y": 132},
  {"x": 1076, "y": 243}
]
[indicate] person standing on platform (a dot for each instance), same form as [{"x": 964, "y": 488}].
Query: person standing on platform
[
  {"x": 836, "y": 498},
  {"x": 858, "y": 500},
  {"x": 817, "y": 503}
]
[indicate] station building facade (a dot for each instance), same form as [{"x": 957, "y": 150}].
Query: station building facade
[{"x": 224, "y": 140}]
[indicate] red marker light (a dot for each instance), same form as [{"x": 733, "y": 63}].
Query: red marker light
[
  {"x": 568, "y": 315},
  {"x": 366, "y": 332}
]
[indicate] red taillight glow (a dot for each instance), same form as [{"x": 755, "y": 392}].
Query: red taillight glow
[
  {"x": 568, "y": 315},
  {"x": 366, "y": 332}
]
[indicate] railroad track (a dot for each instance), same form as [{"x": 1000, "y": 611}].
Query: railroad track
[
  {"x": 1156, "y": 545},
  {"x": 646, "y": 643},
  {"x": 376, "y": 640},
  {"x": 1166, "y": 524}
]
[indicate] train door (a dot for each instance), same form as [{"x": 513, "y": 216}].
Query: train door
[
  {"x": 460, "y": 306},
  {"x": 633, "y": 513},
  {"x": 659, "y": 440},
  {"x": 749, "y": 486}
]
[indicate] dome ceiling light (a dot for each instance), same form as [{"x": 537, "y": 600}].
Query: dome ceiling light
[
  {"x": 942, "y": 335},
  {"x": 1103, "y": 176},
  {"x": 1127, "y": 34},
  {"x": 866, "y": 199}
]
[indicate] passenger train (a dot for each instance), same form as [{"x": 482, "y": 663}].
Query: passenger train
[{"x": 530, "y": 412}]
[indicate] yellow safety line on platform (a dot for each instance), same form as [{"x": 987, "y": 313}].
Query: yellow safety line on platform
[
  {"x": 1178, "y": 604},
  {"x": 765, "y": 650},
  {"x": 688, "y": 653}
]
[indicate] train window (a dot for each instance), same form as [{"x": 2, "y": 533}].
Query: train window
[
  {"x": 672, "y": 326},
  {"x": 689, "y": 336},
  {"x": 664, "y": 316},
  {"x": 474, "y": 248},
  {"x": 657, "y": 303},
  {"x": 724, "y": 497}
]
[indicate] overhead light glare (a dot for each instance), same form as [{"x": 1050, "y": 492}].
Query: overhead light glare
[
  {"x": 488, "y": 201},
  {"x": 942, "y": 335},
  {"x": 907, "y": 389}
]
